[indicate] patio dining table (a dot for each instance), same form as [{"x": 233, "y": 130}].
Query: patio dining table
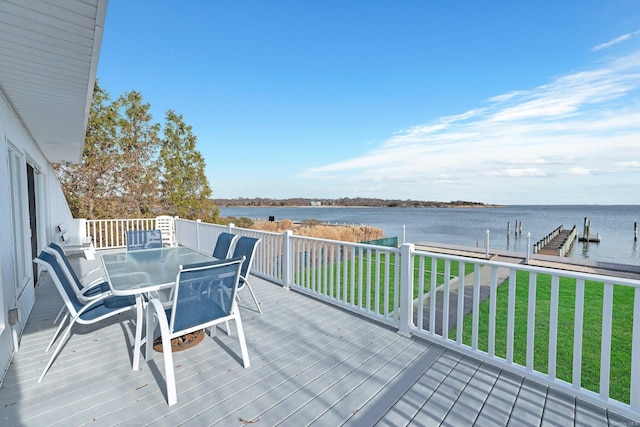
[{"x": 146, "y": 272}]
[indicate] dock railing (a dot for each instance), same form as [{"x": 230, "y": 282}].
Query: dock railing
[{"x": 576, "y": 332}]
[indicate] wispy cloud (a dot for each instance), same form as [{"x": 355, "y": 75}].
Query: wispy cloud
[
  {"x": 574, "y": 126},
  {"x": 615, "y": 41}
]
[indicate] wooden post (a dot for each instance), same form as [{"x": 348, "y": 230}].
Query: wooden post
[
  {"x": 508, "y": 227},
  {"x": 635, "y": 231}
]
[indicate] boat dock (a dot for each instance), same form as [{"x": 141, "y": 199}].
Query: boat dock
[{"x": 557, "y": 243}]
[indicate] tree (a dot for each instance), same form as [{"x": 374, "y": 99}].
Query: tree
[
  {"x": 185, "y": 189},
  {"x": 88, "y": 185},
  {"x": 127, "y": 171},
  {"x": 136, "y": 166}
]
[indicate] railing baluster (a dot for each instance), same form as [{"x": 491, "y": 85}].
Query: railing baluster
[
  {"x": 476, "y": 306},
  {"x": 387, "y": 269},
  {"x": 361, "y": 276},
  {"x": 531, "y": 321},
  {"x": 433, "y": 295},
  {"x": 511, "y": 315},
  {"x": 460, "y": 313},
  {"x": 352, "y": 288},
  {"x": 553, "y": 326},
  {"x": 577, "y": 334},
  {"x": 445, "y": 299},
  {"x": 376, "y": 259},
  {"x": 635, "y": 354},
  {"x": 492, "y": 310},
  {"x": 605, "y": 350},
  {"x": 420, "y": 295}
]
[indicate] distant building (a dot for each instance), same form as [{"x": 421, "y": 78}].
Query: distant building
[{"x": 316, "y": 203}]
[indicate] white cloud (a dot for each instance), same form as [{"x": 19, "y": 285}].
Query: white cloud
[
  {"x": 615, "y": 41},
  {"x": 518, "y": 172},
  {"x": 579, "y": 171},
  {"x": 574, "y": 126}
]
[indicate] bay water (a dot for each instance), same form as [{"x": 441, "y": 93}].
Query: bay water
[{"x": 468, "y": 226}]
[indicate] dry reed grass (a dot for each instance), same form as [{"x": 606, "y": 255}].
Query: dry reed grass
[{"x": 345, "y": 233}]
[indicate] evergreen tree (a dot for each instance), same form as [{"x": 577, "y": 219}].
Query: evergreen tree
[
  {"x": 127, "y": 171},
  {"x": 89, "y": 185},
  {"x": 136, "y": 166},
  {"x": 185, "y": 189}
]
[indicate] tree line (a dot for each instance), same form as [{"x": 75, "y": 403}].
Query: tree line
[
  {"x": 133, "y": 168},
  {"x": 346, "y": 201}
]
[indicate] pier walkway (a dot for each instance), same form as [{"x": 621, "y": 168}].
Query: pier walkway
[{"x": 540, "y": 260}]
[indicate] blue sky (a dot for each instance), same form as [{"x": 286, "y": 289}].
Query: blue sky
[{"x": 490, "y": 101}]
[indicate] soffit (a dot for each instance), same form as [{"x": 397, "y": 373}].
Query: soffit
[{"x": 48, "y": 60}]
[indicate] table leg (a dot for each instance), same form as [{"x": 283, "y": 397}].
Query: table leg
[{"x": 138, "y": 338}]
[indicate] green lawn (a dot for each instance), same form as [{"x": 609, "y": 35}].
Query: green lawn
[
  {"x": 591, "y": 337},
  {"x": 377, "y": 269}
]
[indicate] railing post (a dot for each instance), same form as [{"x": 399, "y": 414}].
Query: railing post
[
  {"x": 174, "y": 225},
  {"x": 528, "y": 247},
  {"x": 198, "y": 221},
  {"x": 487, "y": 246},
  {"x": 287, "y": 259},
  {"x": 406, "y": 288},
  {"x": 230, "y": 227}
]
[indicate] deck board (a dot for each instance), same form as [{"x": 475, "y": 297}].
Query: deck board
[{"x": 311, "y": 364}]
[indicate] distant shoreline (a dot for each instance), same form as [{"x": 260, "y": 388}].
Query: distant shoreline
[
  {"x": 358, "y": 202},
  {"x": 363, "y": 207}
]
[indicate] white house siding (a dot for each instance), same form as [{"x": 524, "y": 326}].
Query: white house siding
[{"x": 52, "y": 210}]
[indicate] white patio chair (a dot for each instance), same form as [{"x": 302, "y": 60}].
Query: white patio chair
[
  {"x": 203, "y": 296},
  {"x": 94, "y": 311},
  {"x": 143, "y": 239},
  {"x": 165, "y": 224}
]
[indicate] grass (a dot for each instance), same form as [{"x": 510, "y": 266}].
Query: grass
[
  {"x": 591, "y": 337},
  {"x": 378, "y": 268},
  {"x": 313, "y": 228}
]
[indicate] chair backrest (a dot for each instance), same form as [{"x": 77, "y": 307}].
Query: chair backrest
[
  {"x": 204, "y": 292},
  {"x": 246, "y": 247},
  {"x": 61, "y": 281},
  {"x": 224, "y": 245},
  {"x": 165, "y": 224},
  {"x": 58, "y": 252},
  {"x": 143, "y": 239}
]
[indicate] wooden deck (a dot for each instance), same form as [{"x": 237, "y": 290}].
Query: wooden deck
[{"x": 311, "y": 363}]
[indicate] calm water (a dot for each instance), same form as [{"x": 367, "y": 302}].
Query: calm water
[{"x": 468, "y": 227}]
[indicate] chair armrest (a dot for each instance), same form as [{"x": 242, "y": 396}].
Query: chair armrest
[{"x": 94, "y": 281}]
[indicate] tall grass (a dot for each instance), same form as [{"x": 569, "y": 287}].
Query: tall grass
[{"x": 344, "y": 233}]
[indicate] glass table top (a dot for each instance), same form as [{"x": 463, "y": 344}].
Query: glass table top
[{"x": 147, "y": 270}]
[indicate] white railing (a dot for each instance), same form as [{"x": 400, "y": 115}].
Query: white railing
[
  {"x": 557, "y": 327},
  {"x": 110, "y": 233},
  {"x": 202, "y": 237}
]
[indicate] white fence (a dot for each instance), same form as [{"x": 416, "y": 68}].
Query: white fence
[
  {"x": 110, "y": 233},
  {"x": 574, "y": 331}
]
